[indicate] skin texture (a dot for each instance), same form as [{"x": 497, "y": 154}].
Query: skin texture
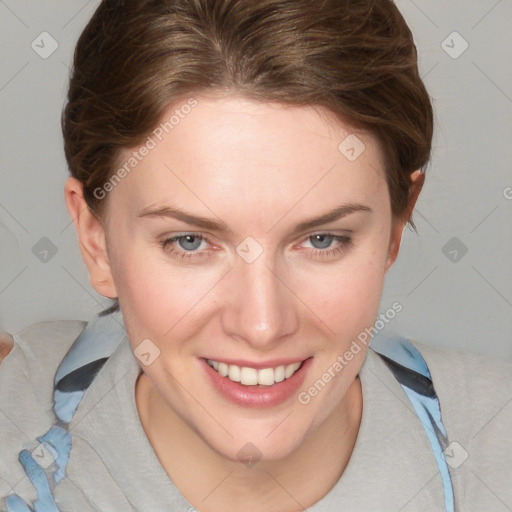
[
  {"x": 261, "y": 168},
  {"x": 6, "y": 345}
]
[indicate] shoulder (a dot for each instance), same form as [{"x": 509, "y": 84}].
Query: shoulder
[
  {"x": 475, "y": 396},
  {"x": 32, "y": 361},
  {"x": 26, "y": 389},
  {"x": 476, "y": 376},
  {"x": 43, "y": 344}
]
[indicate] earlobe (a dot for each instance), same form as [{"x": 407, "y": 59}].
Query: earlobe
[
  {"x": 91, "y": 239},
  {"x": 394, "y": 243},
  {"x": 417, "y": 180}
]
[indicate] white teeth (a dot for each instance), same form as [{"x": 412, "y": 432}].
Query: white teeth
[
  {"x": 252, "y": 376},
  {"x": 266, "y": 377},
  {"x": 234, "y": 373},
  {"x": 279, "y": 373},
  {"x": 290, "y": 370},
  {"x": 223, "y": 369},
  {"x": 249, "y": 376}
]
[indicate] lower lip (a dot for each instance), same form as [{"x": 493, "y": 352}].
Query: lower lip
[{"x": 258, "y": 396}]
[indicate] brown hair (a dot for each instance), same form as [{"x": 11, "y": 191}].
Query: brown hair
[{"x": 355, "y": 57}]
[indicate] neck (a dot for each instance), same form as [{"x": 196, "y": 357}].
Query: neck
[{"x": 209, "y": 481}]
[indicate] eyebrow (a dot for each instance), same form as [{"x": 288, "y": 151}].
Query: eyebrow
[{"x": 221, "y": 227}]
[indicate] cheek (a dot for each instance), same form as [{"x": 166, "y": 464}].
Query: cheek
[
  {"x": 347, "y": 296},
  {"x": 349, "y": 301},
  {"x": 156, "y": 294}
]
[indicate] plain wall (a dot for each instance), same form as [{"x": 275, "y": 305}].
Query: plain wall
[{"x": 453, "y": 278}]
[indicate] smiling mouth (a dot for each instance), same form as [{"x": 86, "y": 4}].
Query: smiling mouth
[{"x": 253, "y": 377}]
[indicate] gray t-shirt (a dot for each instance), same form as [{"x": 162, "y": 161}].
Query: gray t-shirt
[{"x": 113, "y": 467}]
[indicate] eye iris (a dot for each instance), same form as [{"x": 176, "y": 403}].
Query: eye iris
[
  {"x": 325, "y": 240},
  {"x": 188, "y": 238}
]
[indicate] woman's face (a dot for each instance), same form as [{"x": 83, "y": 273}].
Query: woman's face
[{"x": 254, "y": 283}]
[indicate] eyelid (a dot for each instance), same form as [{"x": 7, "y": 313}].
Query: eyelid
[
  {"x": 327, "y": 232},
  {"x": 341, "y": 242},
  {"x": 202, "y": 237},
  {"x": 207, "y": 237}
]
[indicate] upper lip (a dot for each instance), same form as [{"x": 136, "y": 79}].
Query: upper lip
[{"x": 273, "y": 363}]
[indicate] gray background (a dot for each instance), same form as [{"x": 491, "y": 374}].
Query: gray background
[{"x": 454, "y": 279}]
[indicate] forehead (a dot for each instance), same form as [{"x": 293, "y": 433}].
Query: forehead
[{"x": 232, "y": 152}]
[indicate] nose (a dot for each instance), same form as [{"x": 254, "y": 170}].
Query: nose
[{"x": 261, "y": 309}]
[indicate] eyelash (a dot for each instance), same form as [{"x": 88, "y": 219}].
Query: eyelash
[{"x": 344, "y": 241}]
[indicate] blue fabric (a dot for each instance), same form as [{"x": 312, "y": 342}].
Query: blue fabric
[
  {"x": 402, "y": 352},
  {"x": 45, "y": 501},
  {"x": 56, "y": 441},
  {"x": 429, "y": 413},
  {"x": 15, "y": 504},
  {"x": 66, "y": 404},
  {"x": 100, "y": 337}
]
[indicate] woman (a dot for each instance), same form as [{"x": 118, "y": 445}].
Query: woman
[{"x": 241, "y": 175}]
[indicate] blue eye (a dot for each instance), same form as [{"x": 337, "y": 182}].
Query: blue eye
[
  {"x": 189, "y": 243},
  {"x": 192, "y": 241},
  {"x": 325, "y": 240}
]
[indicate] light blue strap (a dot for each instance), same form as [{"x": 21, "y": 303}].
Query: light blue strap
[
  {"x": 402, "y": 351},
  {"x": 96, "y": 343},
  {"x": 429, "y": 413},
  {"x": 15, "y": 504},
  {"x": 405, "y": 361},
  {"x": 45, "y": 501},
  {"x": 100, "y": 337},
  {"x": 66, "y": 403},
  {"x": 58, "y": 442}
]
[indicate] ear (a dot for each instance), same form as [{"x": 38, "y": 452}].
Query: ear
[
  {"x": 417, "y": 180},
  {"x": 91, "y": 238}
]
